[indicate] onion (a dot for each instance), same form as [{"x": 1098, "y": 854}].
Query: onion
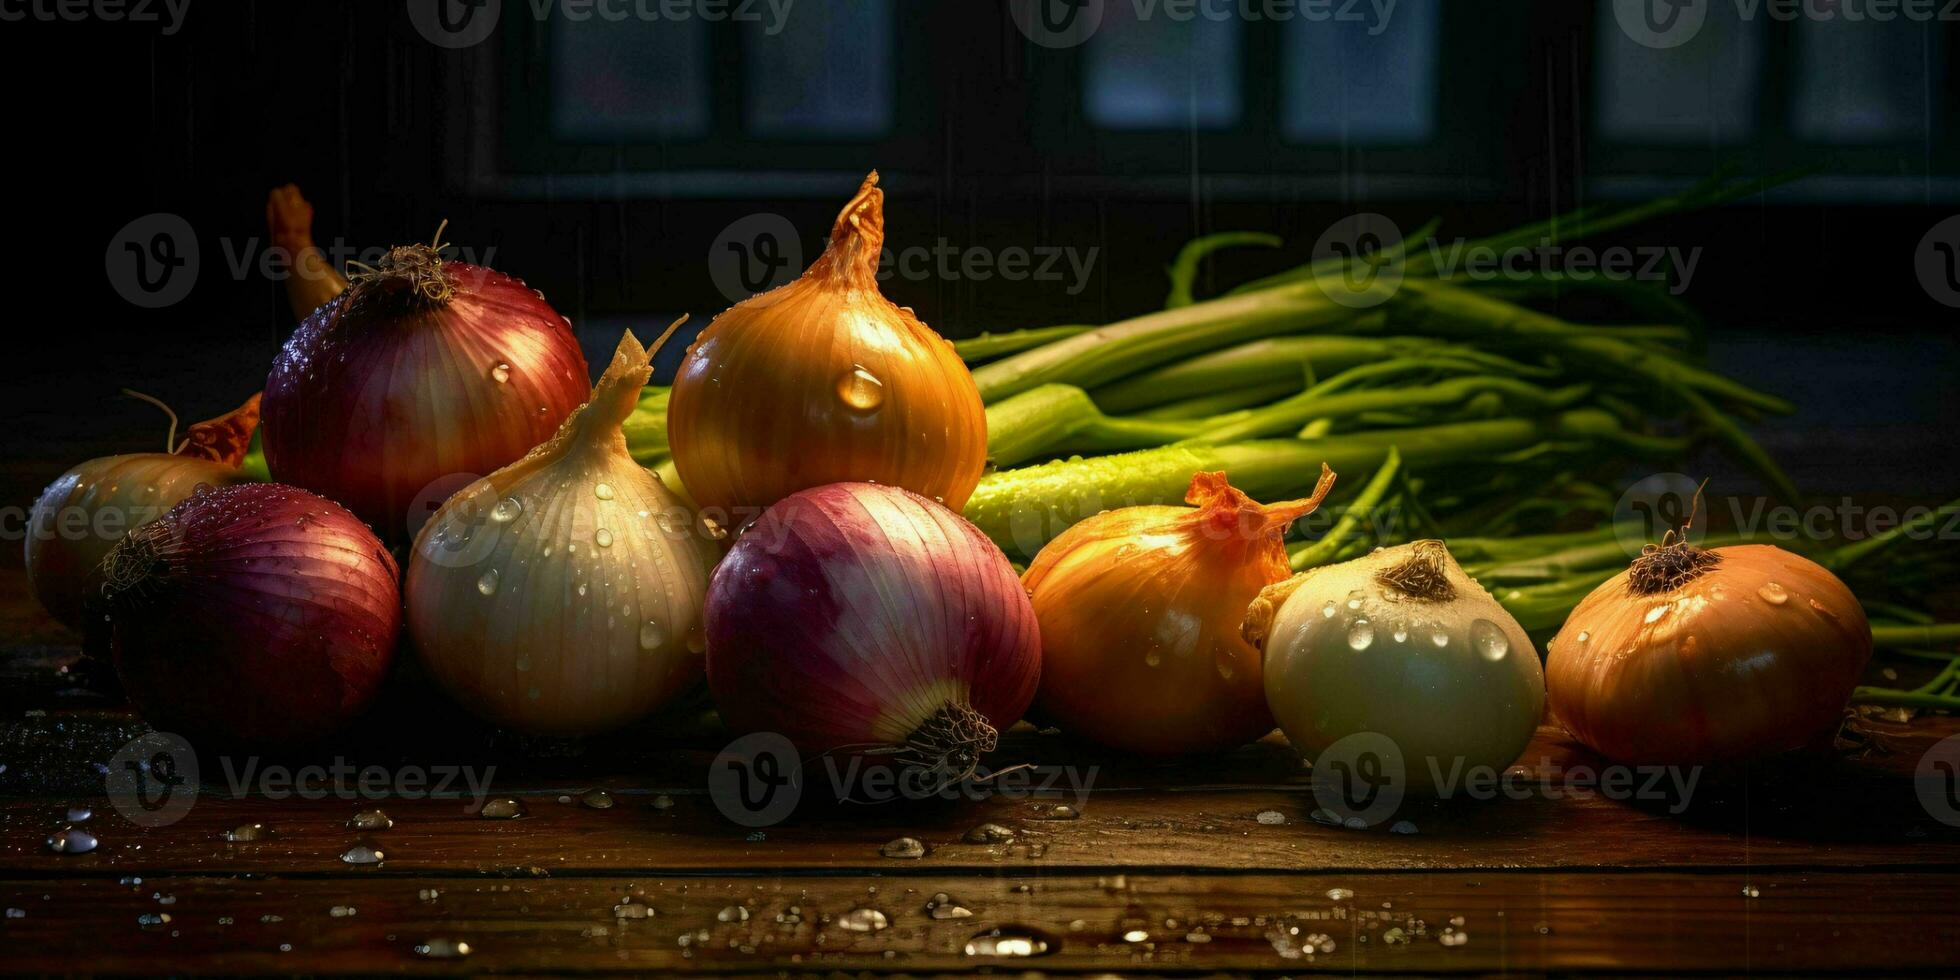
[
  {"x": 1403, "y": 644},
  {"x": 823, "y": 381},
  {"x": 563, "y": 593},
  {"x": 258, "y": 612},
  {"x": 420, "y": 371},
  {"x": 1140, "y": 611},
  {"x": 82, "y": 515},
  {"x": 869, "y": 620},
  {"x": 1695, "y": 656}
]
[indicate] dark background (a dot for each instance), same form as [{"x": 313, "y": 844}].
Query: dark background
[{"x": 537, "y": 143}]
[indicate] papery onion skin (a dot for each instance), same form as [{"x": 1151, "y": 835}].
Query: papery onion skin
[
  {"x": 260, "y": 613},
  {"x": 84, "y": 513},
  {"x": 1344, "y": 655},
  {"x": 849, "y": 616},
  {"x": 1140, "y": 610},
  {"x": 562, "y": 594},
  {"x": 824, "y": 380},
  {"x": 383, "y": 392},
  {"x": 1755, "y": 657}
]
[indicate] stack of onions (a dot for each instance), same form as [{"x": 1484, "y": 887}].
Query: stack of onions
[
  {"x": 257, "y": 612},
  {"x": 1140, "y": 611},
  {"x": 422, "y": 370},
  {"x": 563, "y": 593},
  {"x": 87, "y": 511},
  {"x": 868, "y": 620},
  {"x": 822, "y": 381},
  {"x": 1693, "y": 656}
]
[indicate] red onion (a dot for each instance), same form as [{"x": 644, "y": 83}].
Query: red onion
[
  {"x": 862, "y": 618},
  {"x": 257, "y": 612},
  {"x": 422, "y": 370}
]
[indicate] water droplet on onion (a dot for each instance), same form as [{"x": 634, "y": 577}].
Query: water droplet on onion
[
  {"x": 500, "y": 373},
  {"x": 488, "y": 583},
  {"x": 603, "y": 538},
  {"x": 1360, "y": 635},
  {"x": 1774, "y": 594},
  {"x": 507, "y": 510},
  {"x": 1488, "y": 639},
  {"x": 861, "y": 390},
  {"x": 651, "y": 635},
  {"x": 603, "y": 491}
]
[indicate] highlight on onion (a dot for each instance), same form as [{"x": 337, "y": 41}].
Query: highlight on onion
[
  {"x": 85, "y": 512},
  {"x": 1403, "y": 644},
  {"x": 866, "y": 620},
  {"x": 824, "y": 380},
  {"x": 562, "y": 594},
  {"x": 1140, "y": 610},
  {"x": 259, "y": 613},
  {"x": 422, "y": 370},
  {"x": 1723, "y": 655}
]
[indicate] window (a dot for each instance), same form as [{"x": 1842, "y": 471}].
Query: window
[
  {"x": 1163, "y": 72},
  {"x": 1863, "y": 81},
  {"x": 1359, "y": 82},
  {"x": 1701, "y": 92},
  {"x": 635, "y": 79},
  {"x": 829, "y": 73}
]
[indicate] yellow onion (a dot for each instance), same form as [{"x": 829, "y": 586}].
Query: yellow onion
[
  {"x": 1714, "y": 656},
  {"x": 563, "y": 593},
  {"x": 82, "y": 515},
  {"x": 1140, "y": 611},
  {"x": 824, "y": 380}
]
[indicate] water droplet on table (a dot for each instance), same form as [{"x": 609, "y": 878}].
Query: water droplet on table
[
  {"x": 1011, "y": 941},
  {"x": 246, "y": 833},
  {"x": 732, "y": 913},
  {"x": 78, "y": 814},
  {"x": 341, "y": 911},
  {"x": 1402, "y": 827},
  {"x": 989, "y": 833},
  {"x": 370, "y": 820},
  {"x": 503, "y": 808},
  {"x": 904, "y": 848},
  {"x": 944, "y": 906},
  {"x": 596, "y": 799},
  {"x": 1751, "y": 891},
  {"x": 1271, "y": 818},
  {"x": 1060, "y": 811},
  {"x": 632, "y": 910},
  {"x": 443, "y": 949},
  {"x": 362, "y": 854},
  {"x": 863, "y": 920},
  {"x": 72, "y": 840},
  {"x": 1339, "y": 894}
]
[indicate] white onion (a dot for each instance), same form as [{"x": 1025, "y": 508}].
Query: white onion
[{"x": 563, "y": 593}]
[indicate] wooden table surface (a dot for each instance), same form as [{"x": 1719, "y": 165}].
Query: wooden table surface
[{"x": 1207, "y": 866}]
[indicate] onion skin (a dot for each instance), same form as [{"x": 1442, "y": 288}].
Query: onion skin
[
  {"x": 1722, "y": 673},
  {"x": 590, "y": 617},
  {"x": 824, "y": 380},
  {"x": 259, "y": 613},
  {"x": 113, "y": 495},
  {"x": 1140, "y": 610},
  {"x": 849, "y": 615},
  {"x": 382, "y": 392}
]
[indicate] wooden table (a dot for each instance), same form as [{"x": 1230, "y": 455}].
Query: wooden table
[{"x": 1213, "y": 865}]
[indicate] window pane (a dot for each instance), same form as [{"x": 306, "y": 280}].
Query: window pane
[
  {"x": 827, "y": 71},
  {"x": 1700, "y": 91},
  {"x": 1345, "y": 85},
  {"x": 1162, "y": 72},
  {"x": 1863, "y": 81},
  {"x": 632, "y": 78}
]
